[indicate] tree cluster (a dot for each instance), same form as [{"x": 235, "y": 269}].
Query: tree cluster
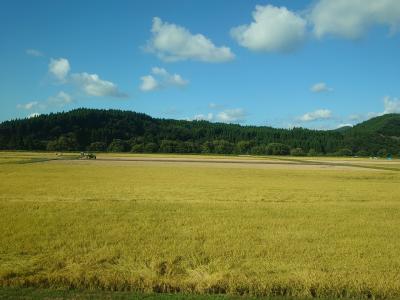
[{"x": 125, "y": 131}]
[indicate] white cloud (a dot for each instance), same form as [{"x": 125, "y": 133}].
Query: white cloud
[
  {"x": 149, "y": 83},
  {"x": 277, "y": 29},
  {"x": 29, "y": 105},
  {"x": 373, "y": 115},
  {"x": 176, "y": 79},
  {"x": 161, "y": 78},
  {"x": 355, "y": 117},
  {"x": 202, "y": 117},
  {"x": 60, "y": 99},
  {"x": 33, "y": 115},
  {"x": 320, "y": 87},
  {"x": 274, "y": 29},
  {"x": 320, "y": 114},
  {"x": 93, "y": 85},
  {"x": 215, "y": 106},
  {"x": 59, "y": 68},
  {"x": 352, "y": 18},
  {"x": 358, "y": 118},
  {"x": 159, "y": 71},
  {"x": 391, "y": 105},
  {"x": 172, "y": 42},
  {"x": 236, "y": 115},
  {"x": 34, "y": 52},
  {"x": 344, "y": 125}
]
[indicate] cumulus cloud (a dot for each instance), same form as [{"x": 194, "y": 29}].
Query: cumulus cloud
[
  {"x": 57, "y": 101},
  {"x": 320, "y": 114},
  {"x": 358, "y": 118},
  {"x": 172, "y": 42},
  {"x": 60, "y": 99},
  {"x": 277, "y": 29},
  {"x": 29, "y": 105},
  {"x": 90, "y": 84},
  {"x": 352, "y": 18},
  {"x": 203, "y": 117},
  {"x": 34, "y": 52},
  {"x": 236, "y": 115},
  {"x": 213, "y": 105},
  {"x": 172, "y": 79},
  {"x": 159, "y": 71},
  {"x": 161, "y": 78},
  {"x": 355, "y": 117},
  {"x": 33, "y": 115},
  {"x": 149, "y": 83},
  {"x": 93, "y": 85},
  {"x": 59, "y": 68},
  {"x": 344, "y": 125},
  {"x": 391, "y": 105},
  {"x": 176, "y": 79},
  {"x": 320, "y": 87},
  {"x": 274, "y": 29}
]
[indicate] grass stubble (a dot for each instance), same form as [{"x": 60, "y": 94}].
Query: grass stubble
[{"x": 183, "y": 229}]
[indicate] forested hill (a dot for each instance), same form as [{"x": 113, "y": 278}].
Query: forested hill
[{"x": 124, "y": 131}]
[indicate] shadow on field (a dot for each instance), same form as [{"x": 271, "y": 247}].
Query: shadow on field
[{"x": 34, "y": 293}]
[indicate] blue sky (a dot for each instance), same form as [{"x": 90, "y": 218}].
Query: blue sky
[{"x": 316, "y": 64}]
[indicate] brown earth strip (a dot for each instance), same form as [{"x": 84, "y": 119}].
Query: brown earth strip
[{"x": 226, "y": 163}]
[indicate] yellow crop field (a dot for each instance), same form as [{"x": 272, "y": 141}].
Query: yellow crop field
[{"x": 198, "y": 228}]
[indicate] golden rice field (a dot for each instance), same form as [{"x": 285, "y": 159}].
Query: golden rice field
[{"x": 199, "y": 228}]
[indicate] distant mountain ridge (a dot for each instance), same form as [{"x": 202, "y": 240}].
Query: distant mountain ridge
[
  {"x": 388, "y": 125},
  {"x": 119, "y": 131}
]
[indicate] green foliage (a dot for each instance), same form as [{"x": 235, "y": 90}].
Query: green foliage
[
  {"x": 382, "y": 153},
  {"x": 168, "y": 146},
  {"x": 151, "y": 148},
  {"x": 138, "y": 148},
  {"x": 277, "y": 149},
  {"x": 344, "y": 152},
  {"x": 186, "y": 147},
  {"x": 243, "y": 147},
  {"x": 117, "y": 145},
  {"x": 387, "y": 125},
  {"x": 297, "y": 152},
  {"x": 222, "y": 147},
  {"x": 258, "y": 150},
  {"x": 312, "y": 152},
  {"x": 97, "y": 146},
  {"x": 362, "y": 153},
  {"x": 63, "y": 143},
  {"x": 119, "y": 131},
  {"x": 207, "y": 147}
]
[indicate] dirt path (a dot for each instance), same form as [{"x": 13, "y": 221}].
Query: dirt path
[{"x": 226, "y": 163}]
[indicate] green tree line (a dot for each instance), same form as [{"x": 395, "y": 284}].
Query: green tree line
[{"x": 126, "y": 131}]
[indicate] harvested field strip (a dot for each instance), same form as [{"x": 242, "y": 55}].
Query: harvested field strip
[
  {"x": 238, "y": 231},
  {"x": 338, "y": 164}
]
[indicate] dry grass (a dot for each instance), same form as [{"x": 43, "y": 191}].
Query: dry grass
[{"x": 200, "y": 230}]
